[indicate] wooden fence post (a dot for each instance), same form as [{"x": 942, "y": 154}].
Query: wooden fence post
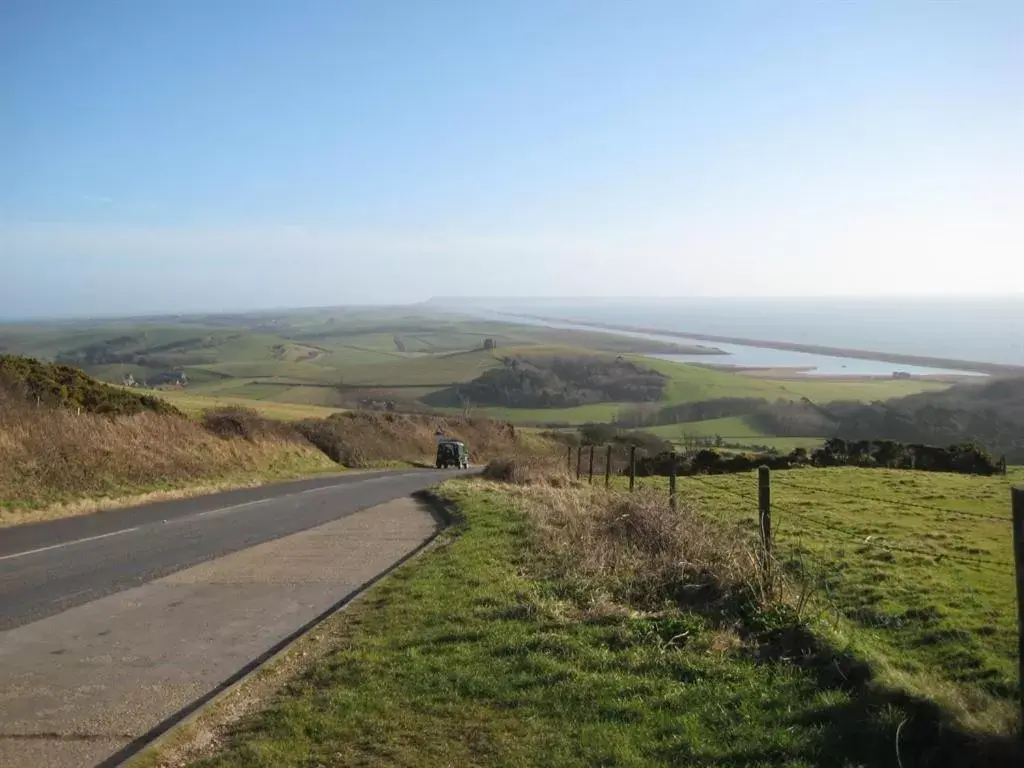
[
  {"x": 568, "y": 458},
  {"x": 632, "y": 467},
  {"x": 672, "y": 483},
  {"x": 1017, "y": 496},
  {"x": 590, "y": 474},
  {"x": 764, "y": 506},
  {"x": 608, "y": 467},
  {"x": 579, "y": 461}
]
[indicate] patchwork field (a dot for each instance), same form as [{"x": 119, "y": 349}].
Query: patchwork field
[{"x": 302, "y": 362}]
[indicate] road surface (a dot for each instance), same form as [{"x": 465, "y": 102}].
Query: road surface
[{"x": 111, "y": 625}]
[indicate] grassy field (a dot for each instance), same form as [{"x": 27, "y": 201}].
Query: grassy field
[
  {"x": 309, "y": 362},
  {"x": 487, "y": 652},
  {"x": 194, "y": 404},
  {"x": 733, "y": 430},
  {"x": 917, "y": 564},
  {"x": 692, "y": 383}
]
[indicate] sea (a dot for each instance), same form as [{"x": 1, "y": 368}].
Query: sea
[{"x": 989, "y": 330}]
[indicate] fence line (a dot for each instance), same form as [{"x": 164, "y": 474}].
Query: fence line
[
  {"x": 841, "y": 533},
  {"x": 873, "y": 540}
]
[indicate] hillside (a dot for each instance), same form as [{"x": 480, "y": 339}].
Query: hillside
[
  {"x": 299, "y": 363},
  {"x": 68, "y": 387},
  {"x": 991, "y": 414},
  {"x": 556, "y": 381},
  {"x": 70, "y": 444}
]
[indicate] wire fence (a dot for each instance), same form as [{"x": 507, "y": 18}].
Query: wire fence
[{"x": 839, "y": 540}]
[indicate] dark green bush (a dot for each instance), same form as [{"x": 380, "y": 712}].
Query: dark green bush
[{"x": 64, "y": 386}]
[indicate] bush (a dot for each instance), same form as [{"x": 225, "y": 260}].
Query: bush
[
  {"x": 966, "y": 458},
  {"x": 234, "y": 421},
  {"x": 556, "y": 381},
  {"x": 63, "y": 386},
  {"x": 638, "y": 549},
  {"x": 526, "y": 469},
  {"x": 364, "y": 438}
]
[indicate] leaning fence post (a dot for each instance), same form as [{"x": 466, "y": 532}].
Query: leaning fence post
[
  {"x": 608, "y": 467},
  {"x": 590, "y": 474},
  {"x": 764, "y": 506},
  {"x": 579, "y": 461},
  {"x": 1017, "y": 496},
  {"x": 632, "y": 467},
  {"x": 672, "y": 483}
]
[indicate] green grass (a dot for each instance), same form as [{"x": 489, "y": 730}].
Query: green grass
[
  {"x": 194, "y": 404},
  {"x": 435, "y": 371},
  {"x": 468, "y": 656},
  {"x": 734, "y": 430},
  {"x": 729, "y": 427},
  {"x": 239, "y": 355},
  {"x": 692, "y": 383},
  {"x": 583, "y": 414},
  {"x": 942, "y": 620}
]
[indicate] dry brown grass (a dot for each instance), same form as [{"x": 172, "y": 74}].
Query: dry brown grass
[
  {"x": 52, "y": 456},
  {"x": 525, "y": 468},
  {"x": 361, "y": 438},
  {"x": 634, "y": 549}
]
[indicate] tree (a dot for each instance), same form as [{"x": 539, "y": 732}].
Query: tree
[{"x": 489, "y": 344}]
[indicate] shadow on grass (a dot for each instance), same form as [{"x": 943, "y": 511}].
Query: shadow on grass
[
  {"x": 870, "y": 724},
  {"x": 875, "y": 725}
]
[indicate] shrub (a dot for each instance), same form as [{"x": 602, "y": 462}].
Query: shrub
[
  {"x": 526, "y": 469},
  {"x": 636, "y": 547},
  {"x": 235, "y": 421},
  {"x": 66, "y": 387},
  {"x": 557, "y": 381}
]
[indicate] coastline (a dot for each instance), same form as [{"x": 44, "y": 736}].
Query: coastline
[{"x": 816, "y": 349}]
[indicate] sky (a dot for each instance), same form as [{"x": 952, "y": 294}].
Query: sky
[{"x": 180, "y": 155}]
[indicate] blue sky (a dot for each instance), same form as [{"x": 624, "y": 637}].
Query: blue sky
[{"x": 223, "y": 154}]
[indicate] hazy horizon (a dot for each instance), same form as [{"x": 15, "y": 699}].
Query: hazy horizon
[{"x": 193, "y": 157}]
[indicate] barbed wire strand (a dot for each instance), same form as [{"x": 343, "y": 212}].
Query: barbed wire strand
[
  {"x": 815, "y": 489},
  {"x": 838, "y": 532}
]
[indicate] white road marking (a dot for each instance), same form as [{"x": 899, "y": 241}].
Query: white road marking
[
  {"x": 223, "y": 509},
  {"x": 68, "y": 543},
  {"x": 351, "y": 485},
  {"x": 207, "y": 513},
  {"x": 62, "y": 598}
]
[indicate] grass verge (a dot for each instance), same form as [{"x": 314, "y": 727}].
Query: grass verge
[
  {"x": 559, "y": 626},
  {"x": 914, "y": 567},
  {"x": 55, "y": 462}
]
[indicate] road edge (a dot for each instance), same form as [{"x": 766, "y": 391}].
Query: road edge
[{"x": 146, "y": 750}]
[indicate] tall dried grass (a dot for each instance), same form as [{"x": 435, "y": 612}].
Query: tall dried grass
[
  {"x": 49, "y": 455},
  {"x": 359, "y": 438},
  {"x": 638, "y": 551}
]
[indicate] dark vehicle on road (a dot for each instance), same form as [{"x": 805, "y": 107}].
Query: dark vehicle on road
[{"x": 452, "y": 453}]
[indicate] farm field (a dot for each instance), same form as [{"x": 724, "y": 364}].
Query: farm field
[
  {"x": 193, "y": 404},
  {"x": 303, "y": 362},
  {"x": 915, "y": 567},
  {"x": 734, "y": 430}
]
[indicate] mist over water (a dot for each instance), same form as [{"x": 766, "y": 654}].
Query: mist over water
[{"x": 987, "y": 330}]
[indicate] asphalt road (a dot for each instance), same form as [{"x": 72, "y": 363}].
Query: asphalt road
[{"x": 48, "y": 568}]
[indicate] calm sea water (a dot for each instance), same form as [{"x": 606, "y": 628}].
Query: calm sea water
[{"x": 983, "y": 330}]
